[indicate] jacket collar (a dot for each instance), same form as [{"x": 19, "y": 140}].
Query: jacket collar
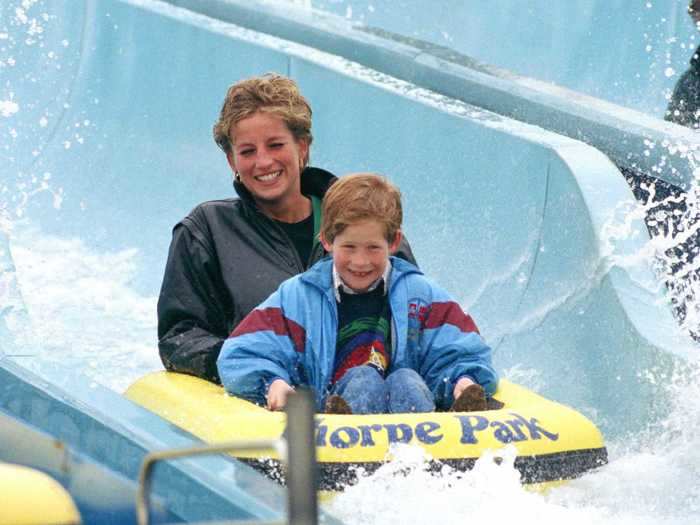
[{"x": 340, "y": 286}]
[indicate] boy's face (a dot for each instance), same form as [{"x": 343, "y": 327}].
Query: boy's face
[{"x": 361, "y": 253}]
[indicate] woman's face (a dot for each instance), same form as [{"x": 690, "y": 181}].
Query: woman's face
[{"x": 268, "y": 159}]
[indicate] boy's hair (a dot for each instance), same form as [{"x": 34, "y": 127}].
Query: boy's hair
[
  {"x": 269, "y": 93},
  {"x": 361, "y": 196}
]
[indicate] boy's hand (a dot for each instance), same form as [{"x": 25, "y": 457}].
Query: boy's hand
[
  {"x": 461, "y": 386},
  {"x": 277, "y": 394},
  {"x": 469, "y": 396}
]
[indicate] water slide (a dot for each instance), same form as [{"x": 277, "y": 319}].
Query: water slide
[{"x": 106, "y": 109}]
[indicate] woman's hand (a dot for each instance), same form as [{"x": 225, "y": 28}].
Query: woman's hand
[{"x": 277, "y": 394}]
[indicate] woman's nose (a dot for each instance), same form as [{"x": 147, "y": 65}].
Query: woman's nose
[{"x": 263, "y": 159}]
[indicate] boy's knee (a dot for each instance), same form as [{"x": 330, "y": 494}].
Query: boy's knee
[
  {"x": 408, "y": 392},
  {"x": 404, "y": 375}
]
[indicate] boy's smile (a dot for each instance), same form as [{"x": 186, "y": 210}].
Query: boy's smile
[{"x": 361, "y": 253}]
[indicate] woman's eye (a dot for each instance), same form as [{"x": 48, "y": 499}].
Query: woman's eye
[
  {"x": 277, "y": 145},
  {"x": 245, "y": 152}
]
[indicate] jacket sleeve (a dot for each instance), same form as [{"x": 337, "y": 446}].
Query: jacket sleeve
[
  {"x": 451, "y": 347},
  {"x": 192, "y": 312},
  {"x": 265, "y": 346}
]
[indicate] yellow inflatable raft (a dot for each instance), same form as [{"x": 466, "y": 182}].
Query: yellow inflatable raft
[{"x": 554, "y": 442}]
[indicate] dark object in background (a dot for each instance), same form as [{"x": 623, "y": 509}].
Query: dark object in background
[{"x": 684, "y": 106}]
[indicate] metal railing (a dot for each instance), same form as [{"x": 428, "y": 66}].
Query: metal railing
[{"x": 298, "y": 451}]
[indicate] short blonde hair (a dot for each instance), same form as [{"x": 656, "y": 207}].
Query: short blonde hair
[
  {"x": 269, "y": 93},
  {"x": 358, "y": 197}
]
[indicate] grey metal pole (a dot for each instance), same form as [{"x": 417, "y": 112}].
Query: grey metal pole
[
  {"x": 302, "y": 471},
  {"x": 149, "y": 462}
]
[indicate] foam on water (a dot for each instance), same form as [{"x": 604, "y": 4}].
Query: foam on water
[{"x": 81, "y": 300}]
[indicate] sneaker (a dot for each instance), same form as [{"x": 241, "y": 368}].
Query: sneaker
[
  {"x": 337, "y": 405},
  {"x": 471, "y": 399}
]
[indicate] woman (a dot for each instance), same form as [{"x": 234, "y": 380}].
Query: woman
[{"x": 228, "y": 255}]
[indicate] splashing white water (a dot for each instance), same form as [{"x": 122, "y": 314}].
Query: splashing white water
[
  {"x": 676, "y": 221},
  {"x": 8, "y": 107},
  {"x": 673, "y": 251},
  {"x": 82, "y": 300}
]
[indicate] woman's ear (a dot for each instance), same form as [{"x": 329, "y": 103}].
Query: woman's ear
[
  {"x": 303, "y": 153},
  {"x": 232, "y": 164},
  {"x": 394, "y": 245}
]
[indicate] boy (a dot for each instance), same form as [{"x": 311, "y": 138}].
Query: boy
[{"x": 367, "y": 331}]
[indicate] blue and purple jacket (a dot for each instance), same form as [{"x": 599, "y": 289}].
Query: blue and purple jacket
[{"x": 292, "y": 336}]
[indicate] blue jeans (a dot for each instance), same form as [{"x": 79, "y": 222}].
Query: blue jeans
[{"x": 367, "y": 392}]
